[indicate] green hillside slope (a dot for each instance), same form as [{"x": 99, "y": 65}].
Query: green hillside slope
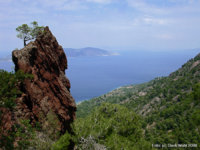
[
  {"x": 169, "y": 107},
  {"x": 147, "y": 97}
]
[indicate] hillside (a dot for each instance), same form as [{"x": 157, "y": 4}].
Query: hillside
[
  {"x": 162, "y": 113},
  {"x": 140, "y": 97},
  {"x": 87, "y": 51},
  {"x": 168, "y": 106}
]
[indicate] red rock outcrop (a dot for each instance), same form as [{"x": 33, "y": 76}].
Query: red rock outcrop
[{"x": 48, "y": 92}]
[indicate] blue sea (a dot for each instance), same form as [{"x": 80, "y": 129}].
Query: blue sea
[{"x": 93, "y": 76}]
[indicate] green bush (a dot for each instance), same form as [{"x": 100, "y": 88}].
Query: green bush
[
  {"x": 8, "y": 88},
  {"x": 111, "y": 125},
  {"x": 9, "y": 91},
  {"x": 63, "y": 142}
]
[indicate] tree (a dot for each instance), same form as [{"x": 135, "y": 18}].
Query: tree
[
  {"x": 109, "y": 125},
  {"x": 36, "y": 29},
  {"x": 24, "y": 33},
  {"x": 29, "y": 33}
]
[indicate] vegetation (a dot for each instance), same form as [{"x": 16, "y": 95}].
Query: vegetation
[
  {"x": 8, "y": 93},
  {"x": 177, "y": 123},
  {"x": 27, "y": 33},
  {"x": 163, "y": 112},
  {"x": 63, "y": 142},
  {"x": 8, "y": 88},
  {"x": 23, "y": 135},
  {"x": 147, "y": 97},
  {"x": 168, "y": 106},
  {"x": 110, "y": 126}
]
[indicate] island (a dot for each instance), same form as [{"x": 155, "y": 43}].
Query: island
[{"x": 88, "y": 51}]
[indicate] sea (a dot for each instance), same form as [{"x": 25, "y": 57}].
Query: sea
[{"x": 97, "y": 75}]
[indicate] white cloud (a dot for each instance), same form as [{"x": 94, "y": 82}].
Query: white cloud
[
  {"x": 70, "y": 4},
  {"x": 100, "y": 1},
  {"x": 62, "y": 4},
  {"x": 176, "y": 7},
  {"x": 183, "y": 1},
  {"x": 155, "y": 21},
  {"x": 144, "y": 7},
  {"x": 99, "y": 23}
]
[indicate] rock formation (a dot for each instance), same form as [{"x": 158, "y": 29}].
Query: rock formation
[{"x": 48, "y": 92}]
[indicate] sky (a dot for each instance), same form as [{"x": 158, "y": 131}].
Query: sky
[{"x": 108, "y": 24}]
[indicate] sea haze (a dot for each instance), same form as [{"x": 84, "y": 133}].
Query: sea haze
[
  {"x": 96, "y": 75},
  {"x": 93, "y": 76}
]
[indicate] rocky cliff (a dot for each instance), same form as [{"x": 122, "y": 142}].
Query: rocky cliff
[{"x": 47, "y": 94}]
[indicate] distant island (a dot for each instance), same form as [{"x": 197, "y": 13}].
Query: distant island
[
  {"x": 72, "y": 52},
  {"x": 87, "y": 51}
]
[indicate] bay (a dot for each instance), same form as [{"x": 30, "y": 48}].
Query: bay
[
  {"x": 93, "y": 76},
  {"x": 96, "y": 75}
]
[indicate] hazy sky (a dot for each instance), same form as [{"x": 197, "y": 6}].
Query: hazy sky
[{"x": 109, "y": 24}]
